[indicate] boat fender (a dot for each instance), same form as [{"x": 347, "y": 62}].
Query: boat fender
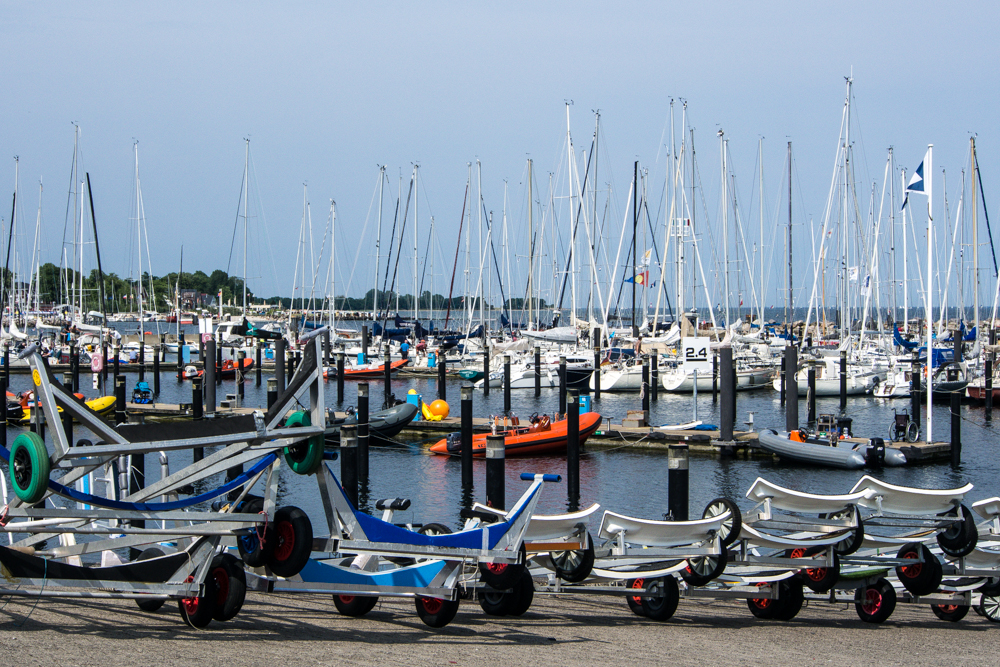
[{"x": 427, "y": 414}]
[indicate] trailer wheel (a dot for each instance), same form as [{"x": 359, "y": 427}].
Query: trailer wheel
[
  {"x": 701, "y": 570},
  {"x": 494, "y": 603},
  {"x": 355, "y": 605},
  {"x": 989, "y": 606},
  {"x": 961, "y": 538},
  {"x": 435, "y": 612},
  {"x": 231, "y": 586},
  {"x": 502, "y": 576},
  {"x": 875, "y": 603},
  {"x": 306, "y": 457},
  {"x": 853, "y": 540},
  {"x": 197, "y": 612},
  {"x": 921, "y": 578},
  {"x": 790, "y": 599},
  {"x": 661, "y": 608},
  {"x": 729, "y": 532},
  {"x": 29, "y": 467},
  {"x": 293, "y": 545},
  {"x": 950, "y": 612},
  {"x": 256, "y": 546},
  {"x": 574, "y": 566},
  {"x": 149, "y": 604},
  {"x": 635, "y": 601},
  {"x": 763, "y": 608},
  {"x": 818, "y": 579},
  {"x": 523, "y": 595}
]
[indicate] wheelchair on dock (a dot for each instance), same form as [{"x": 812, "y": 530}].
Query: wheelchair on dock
[{"x": 903, "y": 428}]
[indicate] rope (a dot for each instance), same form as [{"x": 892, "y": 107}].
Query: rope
[{"x": 261, "y": 533}]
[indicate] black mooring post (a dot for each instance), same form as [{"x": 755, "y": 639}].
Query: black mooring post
[
  {"x": 326, "y": 348},
  {"x": 279, "y": 363},
  {"x": 654, "y": 375},
  {"x": 486, "y": 371},
  {"x": 116, "y": 350},
  {"x": 783, "y": 382},
  {"x": 197, "y": 412},
  {"x": 67, "y": 418},
  {"x": 538, "y": 371},
  {"x": 495, "y": 455},
  {"x": 240, "y": 358},
  {"x": 6, "y": 363},
  {"x": 645, "y": 387},
  {"x": 988, "y": 386},
  {"x": 792, "y": 390},
  {"x": 677, "y": 481},
  {"x": 812, "y": 396},
  {"x": 340, "y": 378},
  {"x": 715, "y": 377},
  {"x": 272, "y": 392},
  {"x": 156, "y": 373},
  {"x": 364, "y": 343},
  {"x": 727, "y": 416},
  {"x": 349, "y": 461},
  {"x": 442, "y": 370},
  {"x": 506, "y": 384},
  {"x": 562, "y": 385},
  {"x": 466, "y": 434},
  {"x": 120, "y": 417},
  {"x": 210, "y": 371},
  {"x": 956, "y": 407},
  {"x": 293, "y": 363},
  {"x": 387, "y": 367},
  {"x": 3, "y": 420},
  {"x": 363, "y": 432},
  {"x": 915, "y": 390},
  {"x": 258, "y": 364},
  {"x": 573, "y": 450},
  {"x": 104, "y": 368},
  {"x": 843, "y": 381},
  {"x": 142, "y": 354},
  {"x": 74, "y": 367}
]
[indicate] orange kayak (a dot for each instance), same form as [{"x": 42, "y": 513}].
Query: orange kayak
[{"x": 523, "y": 441}]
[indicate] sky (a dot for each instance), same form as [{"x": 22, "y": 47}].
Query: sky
[{"x": 328, "y": 92}]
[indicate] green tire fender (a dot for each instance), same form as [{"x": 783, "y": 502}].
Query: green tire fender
[
  {"x": 29, "y": 467},
  {"x": 306, "y": 457}
]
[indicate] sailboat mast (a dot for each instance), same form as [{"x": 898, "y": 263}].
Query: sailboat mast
[
  {"x": 378, "y": 237},
  {"x": 416, "y": 290},
  {"x": 788, "y": 300},
  {"x": 138, "y": 226},
  {"x": 906, "y": 305},
  {"x": 725, "y": 225},
  {"x": 531, "y": 243},
  {"x": 635, "y": 224},
  {"x": 975, "y": 233},
  {"x": 929, "y": 171},
  {"x": 760, "y": 152},
  {"x": 246, "y": 196}
]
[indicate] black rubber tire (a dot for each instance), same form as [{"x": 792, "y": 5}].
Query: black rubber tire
[
  {"x": 790, "y": 599},
  {"x": 523, "y": 596},
  {"x": 230, "y": 584},
  {"x": 961, "y": 538},
  {"x": 991, "y": 587},
  {"x": 574, "y": 566},
  {"x": 731, "y": 528},
  {"x": 634, "y": 601},
  {"x": 502, "y": 576},
  {"x": 853, "y": 540},
  {"x": 198, "y": 612},
  {"x": 434, "y": 529},
  {"x": 989, "y": 607},
  {"x": 875, "y": 603},
  {"x": 306, "y": 457},
  {"x": 950, "y": 612},
  {"x": 293, "y": 545},
  {"x": 919, "y": 578},
  {"x": 820, "y": 579},
  {"x": 495, "y": 603},
  {"x": 354, "y": 605},
  {"x": 662, "y": 607},
  {"x": 763, "y": 608},
  {"x": 150, "y": 604},
  {"x": 254, "y": 551},
  {"x": 701, "y": 570},
  {"x": 435, "y": 612}
]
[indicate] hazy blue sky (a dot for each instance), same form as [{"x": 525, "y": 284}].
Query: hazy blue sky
[{"x": 328, "y": 91}]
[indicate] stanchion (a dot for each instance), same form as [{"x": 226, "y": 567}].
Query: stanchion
[
  {"x": 340, "y": 378},
  {"x": 6, "y": 364},
  {"x": 197, "y": 398},
  {"x": 240, "y": 358},
  {"x": 956, "y": 405},
  {"x": 677, "y": 481},
  {"x": 495, "y": 451},
  {"x": 279, "y": 363},
  {"x": 3, "y": 420},
  {"x": 119, "y": 400},
  {"x": 74, "y": 367},
  {"x": 538, "y": 371},
  {"x": 645, "y": 387},
  {"x": 506, "y": 384},
  {"x": 210, "y": 376},
  {"x": 843, "y": 380},
  {"x": 792, "y": 389},
  {"x": 486, "y": 370},
  {"x": 562, "y": 385},
  {"x": 364, "y": 344},
  {"x": 349, "y": 461},
  {"x": 783, "y": 382},
  {"x": 466, "y": 434},
  {"x": 916, "y": 372},
  {"x": 654, "y": 376},
  {"x": 363, "y": 430},
  {"x": 597, "y": 370},
  {"x": 258, "y": 363},
  {"x": 142, "y": 354},
  {"x": 117, "y": 352},
  {"x": 715, "y": 377},
  {"x": 988, "y": 384},
  {"x": 387, "y": 367},
  {"x": 272, "y": 392},
  {"x": 326, "y": 348},
  {"x": 573, "y": 450},
  {"x": 727, "y": 416}
]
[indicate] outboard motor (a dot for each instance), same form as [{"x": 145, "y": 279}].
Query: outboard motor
[
  {"x": 875, "y": 454},
  {"x": 454, "y": 443}
]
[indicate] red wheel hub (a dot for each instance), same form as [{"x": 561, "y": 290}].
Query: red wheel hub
[
  {"x": 872, "y": 602},
  {"x": 638, "y": 583},
  {"x": 190, "y": 604},
  {"x": 495, "y": 568},
  {"x": 286, "y": 541},
  {"x": 221, "y": 584},
  {"x": 432, "y": 605},
  {"x": 912, "y": 571},
  {"x": 346, "y": 599},
  {"x": 948, "y": 608}
]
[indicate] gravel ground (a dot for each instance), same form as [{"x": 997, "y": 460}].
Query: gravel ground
[{"x": 306, "y": 630}]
